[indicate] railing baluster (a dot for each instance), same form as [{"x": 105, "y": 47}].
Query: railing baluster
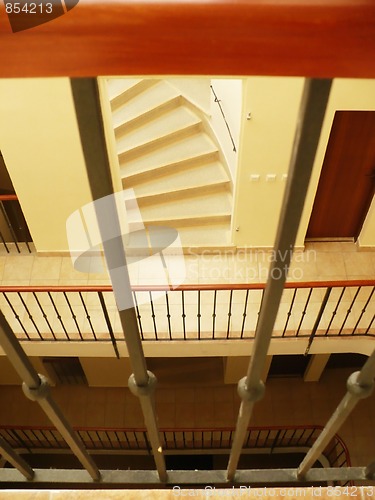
[
  {"x": 349, "y": 310},
  {"x": 16, "y": 315},
  {"x": 153, "y": 315},
  {"x": 304, "y": 311},
  {"x": 138, "y": 315},
  {"x": 199, "y": 314},
  {"x": 214, "y": 315},
  {"x": 29, "y": 314},
  {"x": 168, "y": 316},
  {"x": 43, "y": 314},
  {"x": 335, "y": 311},
  {"x": 58, "y": 315},
  {"x": 229, "y": 312},
  {"x": 88, "y": 317},
  {"x": 289, "y": 313},
  {"x": 363, "y": 310},
  {"x": 369, "y": 326},
  {"x": 183, "y": 314},
  {"x": 108, "y": 322},
  {"x": 318, "y": 319},
  {"x": 10, "y": 227},
  {"x": 244, "y": 314},
  {"x": 73, "y": 315}
]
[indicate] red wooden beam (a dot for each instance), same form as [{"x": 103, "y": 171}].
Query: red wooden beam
[{"x": 317, "y": 38}]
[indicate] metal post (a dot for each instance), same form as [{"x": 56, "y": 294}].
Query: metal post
[
  {"x": 251, "y": 388},
  {"x": 359, "y": 385},
  {"x": 12, "y": 457},
  {"x": 87, "y": 104},
  {"x": 36, "y": 388}
]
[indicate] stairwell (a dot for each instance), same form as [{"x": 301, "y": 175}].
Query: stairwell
[{"x": 169, "y": 155}]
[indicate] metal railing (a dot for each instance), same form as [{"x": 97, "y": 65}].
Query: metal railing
[
  {"x": 34, "y": 439},
  {"x": 218, "y": 101},
  {"x": 190, "y": 312},
  {"x": 14, "y": 232}
]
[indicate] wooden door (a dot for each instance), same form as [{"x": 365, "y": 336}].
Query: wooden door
[{"x": 347, "y": 181}]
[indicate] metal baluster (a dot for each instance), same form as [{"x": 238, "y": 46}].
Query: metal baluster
[
  {"x": 244, "y": 314},
  {"x": 73, "y": 315},
  {"x": 58, "y": 315},
  {"x": 349, "y": 310},
  {"x": 363, "y": 310},
  {"x": 5, "y": 215},
  {"x": 214, "y": 316},
  {"x": 199, "y": 314},
  {"x": 335, "y": 310},
  {"x": 168, "y": 316},
  {"x": 369, "y": 326},
  {"x": 289, "y": 313},
  {"x": 44, "y": 314},
  {"x": 16, "y": 315},
  {"x": 183, "y": 314},
  {"x": 109, "y": 440},
  {"x": 304, "y": 312},
  {"x": 108, "y": 322},
  {"x": 138, "y": 315},
  {"x": 29, "y": 314},
  {"x": 229, "y": 312},
  {"x": 87, "y": 314},
  {"x": 318, "y": 319},
  {"x": 153, "y": 315}
]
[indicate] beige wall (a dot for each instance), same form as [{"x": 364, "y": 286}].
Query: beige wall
[
  {"x": 265, "y": 148},
  {"x": 106, "y": 372},
  {"x": 41, "y": 147}
]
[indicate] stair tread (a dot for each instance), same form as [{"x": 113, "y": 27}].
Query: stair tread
[
  {"x": 165, "y": 124},
  {"x": 117, "y": 86},
  {"x": 186, "y": 148},
  {"x": 197, "y": 206},
  {"x": 203, "y": 236},
  {"x": 154, "y": 96}
]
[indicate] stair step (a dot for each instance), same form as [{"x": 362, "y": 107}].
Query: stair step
[
  {"x": 178, "y": 222},
  {"x": 214, "y": 237},
  {"x": 116, "y": 86},
  {"x": 130, "y": 93},
  {"x": 179, "y": 194},
  {"x": 184, "y": 149},
  {"x": 162, "y": 175},
  {"x": 149, "y": 98},
  {"x": 216, "y": 203},
  {"x": 147, "y": 116},
  {"x": 163, "y": 128}
]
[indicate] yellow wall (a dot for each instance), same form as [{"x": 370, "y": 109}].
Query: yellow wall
[
  {"x": 41, "y": 147},
  {"x": 106, "y": 372},
  {"x": 265, "y": 148}
]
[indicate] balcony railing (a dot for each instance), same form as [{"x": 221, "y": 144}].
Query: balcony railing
[
  {"x": 33, "y": 439},
  {"x": 190, "y": 312},
  {"x": 14, "y": 233}
]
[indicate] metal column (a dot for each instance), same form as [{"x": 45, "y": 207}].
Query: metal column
[
  {"x": 359, "y": 385},
  {"x": 311, "y": 116},
  {"x": 36, "y": 388},
  {"x": 142, "y": 383}
]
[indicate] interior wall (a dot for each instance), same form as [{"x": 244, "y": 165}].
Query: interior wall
[
  {"x": 41, "y": 147},
  {"x": 265, "y": 149}
]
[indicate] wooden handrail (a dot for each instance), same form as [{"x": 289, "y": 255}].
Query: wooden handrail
[
  {"x": 8, "y": 197},
  {"x": 218, "y": 37},
  {"x": 186, "y": 288}
]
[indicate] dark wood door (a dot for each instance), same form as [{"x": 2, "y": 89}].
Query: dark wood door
[{"x": 346, "y": 185}]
